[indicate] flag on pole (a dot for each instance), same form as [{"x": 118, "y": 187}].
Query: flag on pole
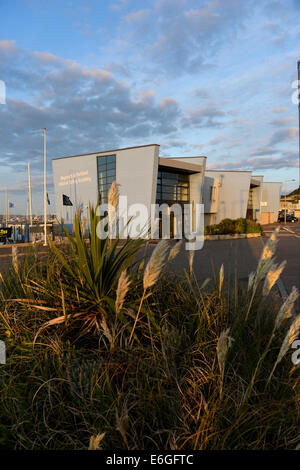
[
  {"x": 48, "y": 200},
  {"x": 66, "y": 200},
  {"x": 11, "y": 204}
]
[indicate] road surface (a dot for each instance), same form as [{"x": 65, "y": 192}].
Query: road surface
[{"x": 239, "y": 256}]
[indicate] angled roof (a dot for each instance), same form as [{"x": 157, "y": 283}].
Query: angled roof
[{"x": 106, "y": 151}]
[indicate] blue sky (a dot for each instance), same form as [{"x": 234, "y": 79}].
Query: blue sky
[{"x": 207, "y": 78}]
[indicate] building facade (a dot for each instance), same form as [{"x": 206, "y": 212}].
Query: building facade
[
  {"x": 235, "y": 194},
  {"x": 146, "y": 178},
  {"x": 291, "y": 205},
  {"x": 143, "y": 177},
  {"x": 270, "y": 202},
  {"x": 225, "y": 195}
]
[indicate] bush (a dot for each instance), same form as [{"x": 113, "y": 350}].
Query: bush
[
  {"x": 230, "y": 226},
  {"x": 173, "y": 367}
]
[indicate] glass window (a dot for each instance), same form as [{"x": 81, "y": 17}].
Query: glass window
[
  {"x": 106, "y": 175},
  {"x": 111, "y": 172},
  {"x": 172, "y": 187}
]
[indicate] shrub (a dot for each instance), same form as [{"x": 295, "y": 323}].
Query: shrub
[{"x": 230, "y": 226}]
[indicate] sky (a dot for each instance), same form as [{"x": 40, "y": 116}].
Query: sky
[{"x": 209, "y": 78}]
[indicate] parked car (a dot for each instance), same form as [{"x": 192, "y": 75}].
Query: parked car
[{"x": 289, "y": 218}]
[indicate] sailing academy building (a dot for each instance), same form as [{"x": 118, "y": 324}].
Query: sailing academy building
[{"x": 144, "y": 177}]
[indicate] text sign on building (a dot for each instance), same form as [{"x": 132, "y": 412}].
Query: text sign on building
[{"x": 75, "y": 178}]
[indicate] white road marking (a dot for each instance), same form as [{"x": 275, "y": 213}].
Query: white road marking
[{"x": 288, "y": 230}]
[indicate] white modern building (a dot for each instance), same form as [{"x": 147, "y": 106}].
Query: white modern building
[
  {"x": 270, "y": 202},
  {"x": 146, "y": 178},
  {"x": 143, "y": 176},
  {"x": 234, "y": 194}
]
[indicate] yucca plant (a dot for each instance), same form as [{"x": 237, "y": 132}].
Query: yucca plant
[{"x": 92, "y": 271}]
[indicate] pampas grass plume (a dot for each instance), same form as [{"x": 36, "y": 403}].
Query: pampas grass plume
[
  {"x": 95, "y": 441},
  {"x": 155, "y": 264},
  {"x": 175, "y": 250},
  {"x": 272, "y": 277},
  {"x": 122, "y": 290}
]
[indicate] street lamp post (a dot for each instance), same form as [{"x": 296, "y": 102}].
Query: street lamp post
[
  {"x": 45, "y": 187},
  {"x": 45, "y": 191},
  {"x": 285, "y": 208}
]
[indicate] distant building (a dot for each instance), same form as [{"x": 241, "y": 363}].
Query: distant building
[
  {"x": 291, "y": 204},
  {"x": 270, "y": 202},
  {"x": 235, "y": 194},
  {"x": 225, "y": 195}
]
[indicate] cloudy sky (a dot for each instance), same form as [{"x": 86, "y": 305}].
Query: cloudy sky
[{"x": 198, "y": 77}]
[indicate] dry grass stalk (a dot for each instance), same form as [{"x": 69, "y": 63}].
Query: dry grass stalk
[
  {"x": 264, "y": 265},
  {"x": 95, "y": 441},
  {"x": 83, "y": 224},
  {"x": 113, "y": 195},
  {"x": 122, "y": 289},
  {"x": 272, "y": 277},
  {"x": 265, "y": 261},
  {"x": 175, "y": 250},
  {"x": 155, "y": 264},
  {"x": 270, "y": 246},
  {"x": 204, "y": 283},
  {"x": 14, "y": 254},
  {"x": 191, "y": 261},
  {"x": 223, "y": 345},
  {"x": 106, "y": 331},
  {"x": 221, "y": 278},
  {"x": 284, "y": 312},
  {"x": 113, "y": 202},
  {"x": 290, "y": 337},
  {"x": 151, "y": 275},
  {"x": 122, "y": 425},
  {"x": 286, "y": 308},
  {"x": 141, "y": 265},
  {"x": 251, "y": 280}
]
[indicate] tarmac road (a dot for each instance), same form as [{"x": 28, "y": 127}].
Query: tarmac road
[
  {"x": 239, "y": 256},
  {"x": 289, "y": 250}
]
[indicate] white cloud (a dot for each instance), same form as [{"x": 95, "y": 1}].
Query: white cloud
[
  {"x": 279, "y": 110},
  {"x": 284, "y": 135},
  {"x": 137, "y": 16},
  {"x": 288, "y": 160}
]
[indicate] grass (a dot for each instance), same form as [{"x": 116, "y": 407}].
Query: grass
[{"x": 174, "y": 365}]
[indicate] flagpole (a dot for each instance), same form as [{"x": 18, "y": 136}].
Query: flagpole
[
  {"x": 45, "y": 192},
  {"x": 29, "y": 195},
  {"x": 6, "y": 207}
]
